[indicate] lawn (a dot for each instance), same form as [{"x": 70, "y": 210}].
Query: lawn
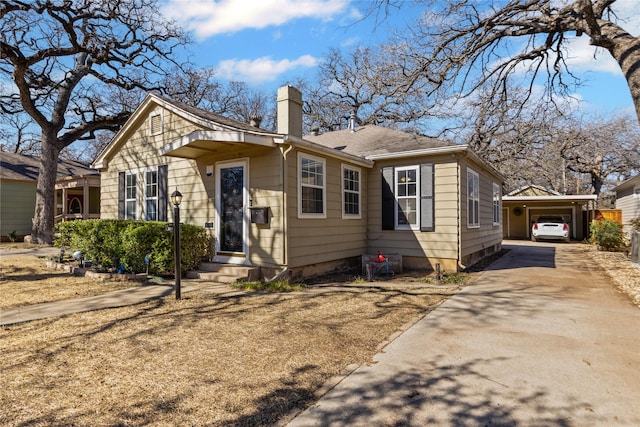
[{"x": 231, "y": 358}]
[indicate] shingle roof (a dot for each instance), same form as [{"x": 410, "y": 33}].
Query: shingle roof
[
  {"x": 207, "y": 115},
  {"x": 369, "y": 139},
  {"x": 25, "y": 168}
]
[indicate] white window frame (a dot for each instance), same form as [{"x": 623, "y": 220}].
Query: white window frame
[
  {"x": 346, "y": 190},
  {"x": 497, "y": 204},
  {"x": 416, "y": 197},
  {"x": 146, "y": 197},
  {"x": 322, "y": 187},
  {"x": 160, "y": 128},
  {"x": 473, "y": 199},
  {"x": 128, "y": 214}
]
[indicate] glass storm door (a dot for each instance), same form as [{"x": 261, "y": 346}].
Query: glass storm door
[{"x": 232, "y": 222}]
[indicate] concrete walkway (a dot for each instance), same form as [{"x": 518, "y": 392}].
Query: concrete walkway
[
  {"x": 540, "y": 339},
  {"x": 120, "y": 298}
]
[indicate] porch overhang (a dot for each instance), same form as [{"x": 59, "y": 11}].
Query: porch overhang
[{"x": 201, "y": 142}]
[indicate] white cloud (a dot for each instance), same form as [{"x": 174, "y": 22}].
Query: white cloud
[
  {"x": 207, "y": 18},
  {"x": 584, "y": 57},
  {"x": 262, "y": 69}
]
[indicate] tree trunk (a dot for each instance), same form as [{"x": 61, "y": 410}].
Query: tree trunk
[
  {"x": 626, "y": 50},
  {"x": 43, "y": 217}
]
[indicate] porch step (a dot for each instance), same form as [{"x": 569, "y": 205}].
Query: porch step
[{"x": 223, "y": 273}]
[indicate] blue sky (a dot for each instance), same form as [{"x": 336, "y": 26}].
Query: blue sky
[{"x": 266, "y": 43}]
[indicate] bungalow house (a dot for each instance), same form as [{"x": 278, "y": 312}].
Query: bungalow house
[
  {"x": 298, "y": 205},
  {"x": 523, "y": 206},
  {"x": 628, "y": 201},
  {"x": 77, "y": 192}
]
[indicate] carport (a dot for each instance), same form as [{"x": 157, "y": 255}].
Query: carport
[{"x": 521, "y": 209}]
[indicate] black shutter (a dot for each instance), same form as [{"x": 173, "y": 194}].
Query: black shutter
[
  {"x": 427, "y": 207},
  {"x": 388, "y": 199},
  {"x": 162, "y": 192},
  {"x": 121, "y": 194}
]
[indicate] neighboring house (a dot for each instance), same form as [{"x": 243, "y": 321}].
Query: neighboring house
[
  {"x": 523, "y": 206},
  {"x": 77, "y": 192},
  {"x": 628, "y": 201},
  {"x": 300, "y": 205}
]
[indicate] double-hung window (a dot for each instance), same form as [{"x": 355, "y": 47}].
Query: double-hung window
[
  {"x": 131, "y": 195},
  {"x": 312, "y": 188},
  {"x": 407, "y": 190},
  {"x": 350, "y": 192},
  {"x": 151, "y": 195},
  {"x": 497, "y": 204},
  {"x": 408, "y": 197},
  {"x": 473, "y": 199}
]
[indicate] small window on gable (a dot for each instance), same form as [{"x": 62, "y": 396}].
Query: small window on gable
[{"x": 155, "y": 123}]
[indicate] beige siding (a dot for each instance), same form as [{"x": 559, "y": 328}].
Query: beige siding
[
  {"x": 17, "y": 205},
  {"x": 317, "y": 240},
  {"x": 140, "y": 153},
  {"x": 630, "y": 206},
  {"x": 477, "y": 242},
  {"x": 423, "y": 249}
]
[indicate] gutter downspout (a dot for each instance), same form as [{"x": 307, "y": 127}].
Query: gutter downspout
[{"x": 285, "y": 243}]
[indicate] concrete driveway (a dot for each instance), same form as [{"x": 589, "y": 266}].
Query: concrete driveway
[{"x": 540, "y": 339}]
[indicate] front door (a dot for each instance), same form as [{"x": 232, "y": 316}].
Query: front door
[{"x": 231, "y": 202}]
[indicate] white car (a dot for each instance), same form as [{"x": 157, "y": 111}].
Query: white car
[{"x": 551, "y": 228}]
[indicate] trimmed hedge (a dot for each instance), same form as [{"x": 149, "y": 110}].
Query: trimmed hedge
[{"x": 111, "y": 242}]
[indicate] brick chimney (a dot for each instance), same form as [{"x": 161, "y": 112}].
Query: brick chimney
[{"x": 290, "y": 111}]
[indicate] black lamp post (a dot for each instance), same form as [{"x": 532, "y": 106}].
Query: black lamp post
[{"x": 176, "y": 199}]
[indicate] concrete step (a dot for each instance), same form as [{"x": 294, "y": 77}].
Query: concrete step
[{"x": 223, "y": 273}]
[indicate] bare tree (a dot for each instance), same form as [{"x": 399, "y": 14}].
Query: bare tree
[
  {"x": 550, "y": 147},
  {"x": 198, "y": 87},
  {"x": 71, "y": 64},
  {"x": 466, "y": 44},
  {"x": 17, "y": 135},
  {"x": 370, "y": 84},
  {"x": 601, "y": 148}
]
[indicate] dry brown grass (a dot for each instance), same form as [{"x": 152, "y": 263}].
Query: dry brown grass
[
  {"x": 25, "y": 280},
  {"x": 244, "y": 359}
]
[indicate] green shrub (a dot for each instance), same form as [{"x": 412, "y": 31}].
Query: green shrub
[
  {"x": 607, "y": 234},
  {"x": 109, "y": 242}
]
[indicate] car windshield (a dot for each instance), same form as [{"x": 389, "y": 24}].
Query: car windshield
[{"x": 552, "y": 219}]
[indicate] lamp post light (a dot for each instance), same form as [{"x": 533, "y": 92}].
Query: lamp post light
[{"x": 176, "y": 199}]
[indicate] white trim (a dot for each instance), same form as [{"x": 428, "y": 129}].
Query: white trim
[
  {"x": 415, "y": 226},
  {"x": 476, "y": 175},
  {"x": 145, "y": 198},
  {"x": 238, "y": 257},
  {"x": 495, "y": 187},
  {"x": 152, "y": 115},
  {"x": 575, "y": 197},
  {"x": 323, "y": 187},
  {"x": 134, "y": 199},
  {"x": 359, "y": 192}
]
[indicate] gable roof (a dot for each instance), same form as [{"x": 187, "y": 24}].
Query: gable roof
[
  {"x": 20, "y": 167},
  {"x": 196, "y": 115},
  {"x": 371, "y": 140},
  {"x": 631, "y": 182},
  {"x": 533, "y": 190}
]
